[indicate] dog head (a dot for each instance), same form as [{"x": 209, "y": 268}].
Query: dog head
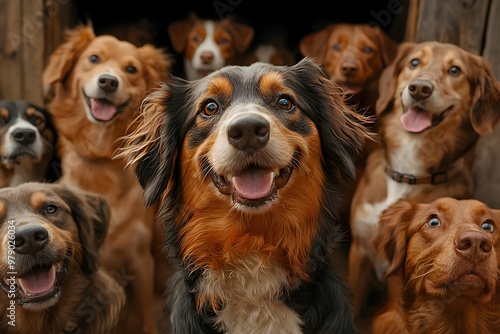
[
  {"x": 261, "y": 147},
  {"x": 209, "y": 45},
  {"x": 354, "y": 55},
  {"x": 98, "y": 83},
  {"x": 444, "y": 249},
  {"x": 27, "y": 138},
  {"x": 432, "y": 83},
  {"x": 48, "y": 233}
]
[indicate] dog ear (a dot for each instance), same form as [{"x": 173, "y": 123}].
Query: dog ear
[
  {"x": 387, "y": 46},
  {"x": 314, "y": 44},
  {"x": 64, "y": 57},
  {"x": 153, "y": 146},
  {"x": 178, "y": 32},
  {"x": 92, "y": 215},
  {"x": 242, "y": 33},
  {"x": 158, "y": 64},
  {"x": 389, "y": 78},
  {"x": 485, "y": 106},
  {"x": 391, "y": 237}
]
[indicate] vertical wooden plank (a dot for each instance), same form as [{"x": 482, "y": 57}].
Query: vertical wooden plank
[
  {"x": 460, "y": 22},
  {"x": 491, "y": 49},
  {"x": 10, "y": 49},
  {"x": 411, "y": 21}
]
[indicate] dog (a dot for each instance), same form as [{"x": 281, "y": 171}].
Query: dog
[
  {"x": 247, "y": 164},
  {"x": 49, "y": 262},
  {"x": 354, "y": 55},
  {"x": 445, "y": 254},
  {"x": 207, "y": 45},
  {"x": 27, "y": 144},
  {"x": 94, "y": 87},
  {"x": 436, "y": 100}
]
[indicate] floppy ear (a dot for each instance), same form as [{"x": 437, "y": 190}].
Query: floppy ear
[
  {"x": 157, "y": 62},
  {"x": 64, "y": 57},
  {"x": 91, "y": 214},
  {"x": 485, "y": 106},
  {"x": 178, "y": 32},
  {"x": 389, "y": 78},
  {"x": 391, "y": 238},
  {"x": 153, "y": 147},
  {"x": 241, "y": 32},
  {"x": 314, "y": 44}
]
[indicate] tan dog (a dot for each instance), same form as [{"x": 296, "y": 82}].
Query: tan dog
[
  {"x": 208, "y": 45},
  {"x": 95, "y": 86},
  {"x": 50, "y": 236},
  {"x": 444, "y": 258},
  {"x": 435, "y": 101}
]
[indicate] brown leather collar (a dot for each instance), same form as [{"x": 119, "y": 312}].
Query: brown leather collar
[{"x": 436, "y": 178}]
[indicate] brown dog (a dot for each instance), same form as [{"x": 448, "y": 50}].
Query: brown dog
[
  {"x": 443, "y": 264},
  {"x": 95, "y": 86},
  {"x": 437, "y": 99},
  {"x": 50, "y": 236}
]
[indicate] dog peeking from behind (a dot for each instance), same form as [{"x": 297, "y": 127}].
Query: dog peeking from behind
[
  {"x": 27, "y": 144},
  {"x": 444, "y": 260},
  {"x": 249, "y": 163},
  {"x": 208, "y": 45},
  {"x": 50, "y": 236}
]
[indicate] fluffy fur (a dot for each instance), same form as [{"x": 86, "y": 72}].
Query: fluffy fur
[
  {"x": 435, "y": 101},
  {"x": 249, "y": 163},
  {"x": 444, "y": 260},
  {"x": 27, "y": 144},
  {"x": 95, "y": 86},
  {"x": 52, "y": 233}
]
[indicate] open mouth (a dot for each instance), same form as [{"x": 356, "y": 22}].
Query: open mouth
[
  {"x": 40, "y": 284},
  {"x": 417, "y": 119},
  {"x": 350, "y": 89},
  {"x": 254, "y": 185},
  {"x": 103, "y": 110}
]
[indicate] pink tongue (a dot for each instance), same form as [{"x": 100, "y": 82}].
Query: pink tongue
[
  {"x": 102, "y": 110},
  {"x": 416, "y": 119},
  {"x": 253, "y": 184},
  {"x": 39, "y": 282}
]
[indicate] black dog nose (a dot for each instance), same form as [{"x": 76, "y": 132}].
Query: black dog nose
[
  {"x": 248, "y": 133},
  {"x": 420, "y": 89},
  {"x": 108, "y": 83},
  {"x": 24, "y": 136},
  {"x": 30, "y": 239}
]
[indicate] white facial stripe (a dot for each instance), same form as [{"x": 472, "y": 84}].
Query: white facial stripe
[
  {"x": 10, "y": 145},
  {"x": 208, "y": 45}
]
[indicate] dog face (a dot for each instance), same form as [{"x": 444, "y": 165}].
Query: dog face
[
  {"x": 354, "y": 55},
  {"x": 97, "y": 83},
  {"x": 49, "y": 234},
  {"x": 208, "y": 45},
  {"x": 446, "y": 248},
  {"x": 26, "y": 133},
  {"x": 255, "y": 148}
]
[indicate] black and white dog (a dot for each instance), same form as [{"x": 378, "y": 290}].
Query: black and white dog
[{"x": 27, "y": 144}]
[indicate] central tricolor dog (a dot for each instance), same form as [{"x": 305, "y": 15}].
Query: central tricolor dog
[{"x": 249, "y": 164}]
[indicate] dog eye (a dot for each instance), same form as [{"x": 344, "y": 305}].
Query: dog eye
[
  {"x": 196, "y": 39},
  {"x": 94, "y": 59},
  {"x": 488, "y": 226},
  {"x": 337, "y": 47},
  {"x": 367, "y": 49},
  {"x": 222, "y": 40},
  {"x": 210, "y": 108},
  {"x": 131, "y": 69},
  {"x": 414, "y": 63},
  {"x": 434, "y": 222},
  {"x": 36, "y": 120},
  {"x": 51, "y": 209},
  {"x": 455, "y": 71},
  {"x": 284, "y": 103}
]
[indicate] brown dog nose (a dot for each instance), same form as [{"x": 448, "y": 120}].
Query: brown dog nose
[
  {"x": 108, "y": 83},
  {"x": 473, "y": 245},
  {"x": 248, "y": 133},
  {"x": 348, "y": 68},
  {"x": 30, "y": 238},
  {"x": 420, "y": 89},
  {"x": 207, "y": 57}
]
